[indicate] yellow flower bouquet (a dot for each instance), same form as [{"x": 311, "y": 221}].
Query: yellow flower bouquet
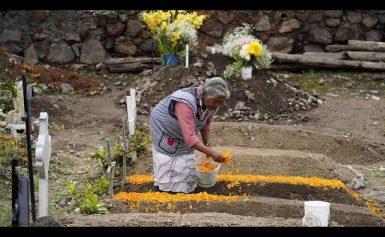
[
  {"x": 247, "y": 51},
  {"x": 173, "y": 30}
]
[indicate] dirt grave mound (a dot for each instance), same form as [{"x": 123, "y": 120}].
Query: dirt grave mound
[
  {"x": 51, "y": 76},
  {"x": 264, "y": 97}
]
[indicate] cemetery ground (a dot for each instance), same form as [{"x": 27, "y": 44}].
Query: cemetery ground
[{"x": 340, "y": 138}]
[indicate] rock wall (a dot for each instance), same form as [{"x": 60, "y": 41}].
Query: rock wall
[{"x": 80, "y": 36}]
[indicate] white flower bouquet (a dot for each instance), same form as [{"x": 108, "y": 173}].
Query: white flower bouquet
[{"x": 245, "y": 49}]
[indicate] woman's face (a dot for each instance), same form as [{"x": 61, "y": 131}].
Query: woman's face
[{"x": 213, "y": 102}]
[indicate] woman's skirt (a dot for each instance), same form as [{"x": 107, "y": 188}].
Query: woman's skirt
[{"x": 174, "y": 173}]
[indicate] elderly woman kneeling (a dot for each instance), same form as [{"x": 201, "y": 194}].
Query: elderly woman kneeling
[{"x": 174, "y": 124}]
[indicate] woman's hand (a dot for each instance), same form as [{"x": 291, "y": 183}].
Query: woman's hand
[{"x": 217, "y": 157}]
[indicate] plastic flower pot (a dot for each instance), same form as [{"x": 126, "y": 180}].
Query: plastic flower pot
[
  {"x": 170, "y": 59},
  {"x": 246, "y": 73}
]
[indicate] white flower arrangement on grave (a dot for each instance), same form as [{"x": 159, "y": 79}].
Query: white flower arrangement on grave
[
  {"x": 245, "y": 49},
  {"x": 183, "y": 34}
]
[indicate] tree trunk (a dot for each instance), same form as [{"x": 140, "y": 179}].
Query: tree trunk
[
  {"x": 131, "y": 60},
  {"x": 367, "y": 56},
  {"x": 328, "y": 63},
  {"x": 356, "y": 45},
  {"x": 373, "y": 44},
  {"x": 338, "y": 55},
  {"x": 130, "y": 67}
]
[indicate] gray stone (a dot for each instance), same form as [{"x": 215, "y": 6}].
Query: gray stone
[
  {"x": 92, "y": 52},
  {"x": 263, "y": 24},
  {"x": 115, "y": 29},
  {"x": 10, "y": 36},
  {"x": 88, "y": 23},
  {"x": 134, "y": 27},
  {"x": 305, "y": 27},
  {"x": 137, "y": 40},
  {"x": 75, "y": 48},
  {"x": 72, "y": 37},
  {"x": 280, "y": 44},
  {"x": 317, "y": 17},
  {"x": 125, "y": 47},
  {"x": 373, "y": 35},
  {"x": 334, "y": 13},
  {"x": 60, "y": 53},
  {"x": 381, "y": 18},
  {"x": 370, "y": 21},
  {"x": 239, "y": 105},
  {"x": 357, "y": 183},
  {"x": 97, "y": 34},
  {"x": 347, "y": 32},
  {"x": 30, "y": 55},
  {"x": 109, "y": 43},
  {"x": 38, "y": 36},
  {"x": 250, "y": 95},
  {"x": 354, "y": 17},
  {"x": 320, "y": 35},
  {"x": 332, "y": 22},
  {"x": 66, "y": 88},
  {"x": 213, "y": 28},
  {"x": 146, "y": 45},
  {"x": 123, "y": 17},
  {"x": 225, "y": 16},
  {"x": 313, "y": 48},
  {"x": 289, "y": 26}
]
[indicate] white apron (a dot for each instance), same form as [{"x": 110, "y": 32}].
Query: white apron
[{"x": 174, "y": 174}]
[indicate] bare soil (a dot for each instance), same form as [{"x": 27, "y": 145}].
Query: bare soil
[{"x": 343, "y": 131}]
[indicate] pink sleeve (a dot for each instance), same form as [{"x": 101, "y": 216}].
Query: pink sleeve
[
  {"x": 207, "y": 127},
  {"x": 186, "y": 121}
]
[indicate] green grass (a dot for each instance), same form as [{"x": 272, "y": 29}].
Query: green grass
[
  {"x": 57, "y": 127},
  {"x": 341, "y": 83},
  {"x": 5, "y": 213}
]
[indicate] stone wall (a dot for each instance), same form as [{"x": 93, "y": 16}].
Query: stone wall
[{"x": 78, "y": 36}]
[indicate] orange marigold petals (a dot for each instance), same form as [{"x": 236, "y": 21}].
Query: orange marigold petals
[
  {"x": 206, "y": 166},
  {"x": 160, "y": 197},
  {"x": 139, "y": 179},
  {"x": 227, "y": 156}
]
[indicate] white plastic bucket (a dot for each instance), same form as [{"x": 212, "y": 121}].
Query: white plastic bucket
[
  {"x": 206, "y": 179},
  {"x": 317, "y": 213}
]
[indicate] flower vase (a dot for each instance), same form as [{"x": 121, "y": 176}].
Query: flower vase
[
  {"x": 170, "y": 59},
  {"x": 246, "y": 73}
]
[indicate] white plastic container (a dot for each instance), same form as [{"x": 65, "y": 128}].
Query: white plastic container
[
  {"x": 246, "y": 73},
  {"x": 317, "y": 213},
  {"x": 206, "y": 179}
]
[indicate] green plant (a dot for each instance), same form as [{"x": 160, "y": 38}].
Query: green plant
[
  {"x": 101, "y": 185},
  {"x": 311, "y": 72},
  {"x": 57, "y": 127},
  {"x": 9, "y": 91},
  {"x": 87, "y": 198},
  {"x": 100, "y": 156},
  {"x": 10, "y": 149},
  {"x": 90, "y": 204},
  {"x": 141, "y": 139}
]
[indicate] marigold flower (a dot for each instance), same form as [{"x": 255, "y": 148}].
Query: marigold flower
[
  {"x": 227, "y": 156},
  {"x": 207, "y": 166}
]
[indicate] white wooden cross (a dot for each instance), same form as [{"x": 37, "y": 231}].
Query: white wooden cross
[
  {"x": 43, "y": 155},
  {"x": 131, "y": 114}
]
